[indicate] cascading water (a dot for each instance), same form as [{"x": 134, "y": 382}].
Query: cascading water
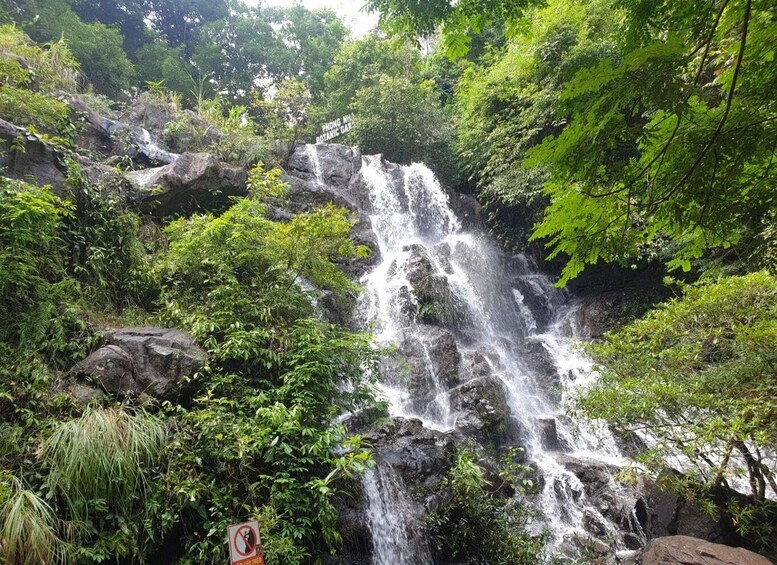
[
  {"x": 465, "y": 315},
  {"x": 487, "y": 307},
  {"x": 396, "y": 536}
]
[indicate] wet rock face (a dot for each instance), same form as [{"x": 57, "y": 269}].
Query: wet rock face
[
  {"x": 662, "y": 513},
  {"x": 430, "y": 299},
  {"x": 685, "y": 550},
  {"x": 158, "y": 362},
  {"x": 483, "y": 411},
  {"x": 195, "y": 181}
]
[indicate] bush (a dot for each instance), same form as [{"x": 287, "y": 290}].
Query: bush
[
  {"x": 26, "y": 108},
  {"x": 479, "y": 527},
  {"x": 277, "y": 378}
]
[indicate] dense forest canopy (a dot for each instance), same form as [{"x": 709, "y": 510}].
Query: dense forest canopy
[{"x": 638, "y": 134}]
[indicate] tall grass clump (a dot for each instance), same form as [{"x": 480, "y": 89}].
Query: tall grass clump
[
  {"x": 28, "y": 529},
  {"x": 101, "y": 460}
]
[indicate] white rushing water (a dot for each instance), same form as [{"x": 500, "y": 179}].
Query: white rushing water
[
  {"x": 502, "y": 314},
  {"x": 393, "y": 520}
]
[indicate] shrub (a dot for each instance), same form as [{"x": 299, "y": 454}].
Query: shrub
[
  {"x": 26, "y": 108},
  {"x": 480, "y": 527}
]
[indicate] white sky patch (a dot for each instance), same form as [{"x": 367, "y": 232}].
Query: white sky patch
[{"x": 352, "y": 12}]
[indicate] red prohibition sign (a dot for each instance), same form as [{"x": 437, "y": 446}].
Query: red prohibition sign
[{"x": 247, "y": 535}]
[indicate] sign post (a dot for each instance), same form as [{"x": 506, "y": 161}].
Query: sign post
[
  {"x": 245, "y": 545},
  {"x": 335, "y": 128}
]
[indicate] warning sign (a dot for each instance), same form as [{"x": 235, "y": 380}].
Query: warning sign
[{"x": 245, "y": 546}]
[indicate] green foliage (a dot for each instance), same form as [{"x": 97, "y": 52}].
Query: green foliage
[
  {"x": 101, "y": 461},
  {"x": 480, "y": 526},
  {"x": 506, "y": 106},
  {"x": 26, "y": 108},
  {"x": 405, "y": 122},
  {"x": 644, "y": 158},
  {"x": 316, "y": 37},
  {"x": 285, "y": 116},
  {"x": 276, "y": 380},
  {"x": 48, "y": 67},
  {"x": 458, "y": 21},
  {"x": 360, "y": 64},
  {"x": 156, "y": 61},
  {"x": 97, "y": 47},
  {"x": 104, "y": 251},
  {"x": 35, "y": 300},
  {"x": 697, "y": 376}
]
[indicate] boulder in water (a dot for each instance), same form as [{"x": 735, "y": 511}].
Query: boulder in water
[{"x": 483, "y": 411}]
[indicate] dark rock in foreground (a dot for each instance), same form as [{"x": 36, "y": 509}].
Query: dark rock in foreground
[{"x": 684, "y": 550}]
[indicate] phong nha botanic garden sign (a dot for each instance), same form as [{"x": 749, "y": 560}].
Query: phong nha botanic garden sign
[{"x": 335, "y": 128}]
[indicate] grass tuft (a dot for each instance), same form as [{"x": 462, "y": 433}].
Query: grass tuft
[
  {"x": 101, "y": 460},
  {"x": 28, "y": 529}
]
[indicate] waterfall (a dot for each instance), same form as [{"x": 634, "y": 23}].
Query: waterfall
[
  {"x": 312, "y": 152},
  {"x": 503, "y": 316},
  {"x": 395, "y": 534}
]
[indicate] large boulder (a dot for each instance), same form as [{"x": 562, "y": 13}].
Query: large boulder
[
  {"x": 333, "y": 164},
  {"x": 195, "y": 181},
  {"x": 93, "y": 135},
  {"x": 37, "y": 162},
  {"x": 685, "y": 550},
  {"x": 159, "y": 362},
  {"x": 664, "y": 513},
  {"x": 483, "y": 413}
]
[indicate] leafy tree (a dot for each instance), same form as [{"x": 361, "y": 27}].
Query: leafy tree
[
  {"x": 405, "y": 122},
  {"x": 460, "y": 21},
  {"x": 126, "y": 15},
  {"x": 360, "y": 64},
  {"x": 179, "y": 21},
  {"x": 506, "y": 105},
  {"x": 315, "y": 38},
  {"x": 695, "y": 378},
  {"x": 284, "y": 117},
  {"x": 240, "y": 53},
  {"x": 156, "y": 62},
  {"x": 98, "y": 48},
  {"x": 669, "y": 140}
]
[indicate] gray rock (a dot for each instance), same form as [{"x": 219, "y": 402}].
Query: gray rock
[
  {"x": 160, "y": 362},
  {"x": 483, "y": 411},
  {"x": 685, "y": 550},
  {"x": 434, "y": 301},
  {"x": 664, "y": 513},
  {"x": 338, "y": 164},
  {"x": 195, "y": 181},
  {"x": 540, "y": 362},
  {"x": 94, "y": 136},
  {"x": 549, "y": 435},
  {"x": 39, "y": 163}
]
